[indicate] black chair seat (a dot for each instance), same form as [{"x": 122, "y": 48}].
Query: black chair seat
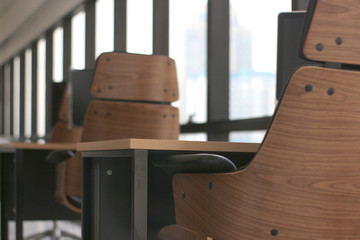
[
  {"x": 58, "y": 156},
  {"x": 195, "y": 163}
]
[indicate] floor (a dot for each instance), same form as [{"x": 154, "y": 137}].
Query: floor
[{"x": 34, "y": 227}]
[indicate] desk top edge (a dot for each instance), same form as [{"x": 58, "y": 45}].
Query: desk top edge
[
  {"x": 39, "y": 146},
  {"x": 156, "y": 144}
]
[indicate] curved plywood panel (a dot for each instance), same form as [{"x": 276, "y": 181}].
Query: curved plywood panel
[
  {"x": 333, "y": 35},
  {"x": 106, "y": 120},
  {"x": 64, "y": 111},
  {"x": 62, "y": 133},
  {"x": 304, "y": 181},
  {"x": 135, "y": 77}
]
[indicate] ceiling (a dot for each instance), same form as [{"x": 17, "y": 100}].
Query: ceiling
[{"x": 4, "y": 4}]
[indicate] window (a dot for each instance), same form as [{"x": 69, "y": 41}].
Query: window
[
  {"x": 253, "y": 44},
  {"x": 41, "y": 91},
  {"x": 139, "y": 26},
  {"x": 58, "y": 54},
  {"x": 78, "y": 41},
  {"x": 188, "y": 47},
  {"x": 28, "y": 93},
  {"x": 104, "y": 26},
  {"x": 247, "y": 136},
  {"x": 16, "y": 97}
]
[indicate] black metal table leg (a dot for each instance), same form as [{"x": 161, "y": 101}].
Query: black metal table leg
[
  {"x": 140, "y": 194},
  {"x": 4, "y": 220},
  {"x": 19, "y": 193}
]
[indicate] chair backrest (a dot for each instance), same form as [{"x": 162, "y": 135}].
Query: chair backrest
[
  {"x": 333, "y": 35},
  {"x": 124, "y": 76},
  {"x": 61, "y": 130},
  {"x": 136, "y": 92},
  {"x": 64, "y": 111},
  {"x": 62, "y": 133},
  {"x": 305, "y": 175},
  {"x": 304, "y": 181},
  {"x": 107, "y": 120}
]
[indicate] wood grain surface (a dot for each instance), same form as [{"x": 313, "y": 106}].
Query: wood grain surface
[
  {"x": 62, "y": 133},
  {"x": 304, "y": 183},
  {"x": 335, "y": 25},
  {"x": 64, "y": 111},
  {"x": 135, "y": 77},
  {"x": 106, "y": 120}
]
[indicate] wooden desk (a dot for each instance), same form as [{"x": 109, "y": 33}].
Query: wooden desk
[
  {"x": 125, "y": 196},
  {"x": 27, "y": 185}
]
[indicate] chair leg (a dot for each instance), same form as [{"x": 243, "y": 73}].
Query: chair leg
[
  {"x": 39, "y": 236},
  {"x": 55, "y": 234}
]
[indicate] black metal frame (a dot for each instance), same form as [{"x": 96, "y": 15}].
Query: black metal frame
[
  {"x": 49, "y": 113},
  {"x": 34, "y": 90},
  {"x": 2, "y": 99},
  {"x": 300, "y": 4},
  {"x": 67, "y": 48}
]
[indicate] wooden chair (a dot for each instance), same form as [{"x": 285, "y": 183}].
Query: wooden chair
[
  {"x": 304, "y": 181},
  {"x": 135, "y": 93},
  {"x": 62, "y": 133}
]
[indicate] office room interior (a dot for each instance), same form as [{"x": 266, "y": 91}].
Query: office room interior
[{"x": 217, "y": 70}]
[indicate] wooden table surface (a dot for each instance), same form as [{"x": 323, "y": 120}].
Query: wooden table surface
[
  {"x": 39, "y": 146},
  {"x": 155, "y": 144}
]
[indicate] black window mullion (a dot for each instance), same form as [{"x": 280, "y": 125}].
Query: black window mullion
[
  {"x": 2, "y": 104},
  {"x": 299, "y": 4},
  {"x": 218, "y": 64},
  {"x": 34, "y": 91},
  {"x": 90, "y": 34},
  {"x": 22, "y": 98},
  {"x": 161, "y": 27},
  {"x": 49, "y": 118},
  {"x": 67, "y": 49},
  {"x": 120, "y": 25}
]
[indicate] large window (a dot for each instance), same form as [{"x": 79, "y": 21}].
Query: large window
[
  {"x": 139, "y": 26},
  {"x": 41, "y": 87},
  {"x": 104, "y": 37},
  {"x": 253, "y": 44},
  {"x": 252, "y": 58},
  {"x": 58, "y": 54},
  {"x": 188, "y": 46},
  {"x": 78, "y": 41}
]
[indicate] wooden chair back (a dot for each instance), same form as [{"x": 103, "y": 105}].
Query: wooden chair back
[
  {"x": 333, "y": 34},
  {"x": 147, "y": 84},
  {"x": 302, "y": 184},
  {"x": 64, "y": 111},
  {"x": 304, "y": 181},
  {"x": 106, "y": 120},
  {"x": 136, "y": 77},
  {"x": 62, "y": 133}
]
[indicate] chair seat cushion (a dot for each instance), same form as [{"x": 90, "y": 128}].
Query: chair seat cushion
[
  {"x": 58, "y": 156},
  {"x": 195, "y": 163}
]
